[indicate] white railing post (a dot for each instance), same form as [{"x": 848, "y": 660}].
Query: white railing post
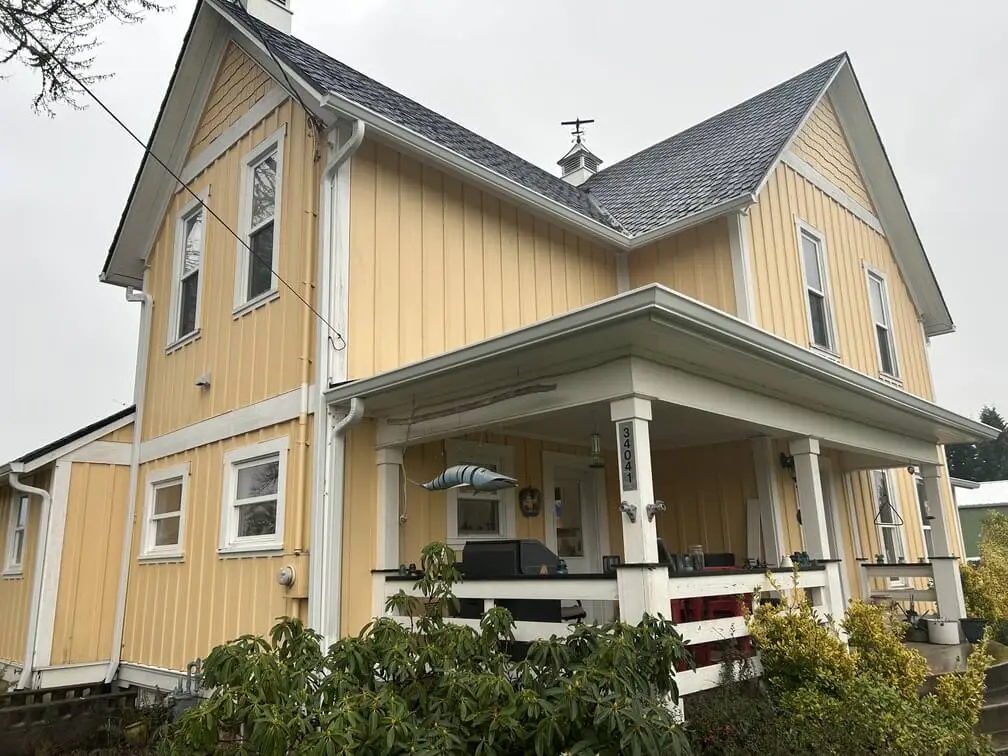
[
  {"x": 947, "y": 580},
  {"x": 642, "y": 581}
]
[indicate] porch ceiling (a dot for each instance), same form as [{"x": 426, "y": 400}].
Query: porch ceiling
[{"x": 692, "y": 356}]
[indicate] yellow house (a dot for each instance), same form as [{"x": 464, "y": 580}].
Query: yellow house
[
  {"x": 721, "y": 340},
  {"x": 63, "y": 509}
]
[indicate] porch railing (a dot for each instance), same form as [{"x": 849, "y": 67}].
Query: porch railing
[
  {"x": 890, "y": 581},
  {"x": 817, "y": 583}
]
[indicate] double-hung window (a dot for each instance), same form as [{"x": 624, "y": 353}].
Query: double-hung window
[
  {"x": 17, "y": 529},
  {"x": 820, "y": 318},
  {"x": 259, "y": 249},
  {"x": 882, "y": 321},
  {"x": 189, "y": 246},
  {"x": 164, "y": 513},
  {"x": 475, "y": 515},
  {"x": 254, "y": 493},
  {"x": 888, "y": 518}
]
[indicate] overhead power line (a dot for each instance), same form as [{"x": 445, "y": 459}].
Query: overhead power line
[{"x": 148, "y": 151}]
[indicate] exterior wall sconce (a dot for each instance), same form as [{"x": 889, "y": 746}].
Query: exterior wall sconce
[{"x": 596, "y": 451}]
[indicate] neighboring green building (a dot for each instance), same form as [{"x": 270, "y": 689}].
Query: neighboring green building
[{"x": 976, "y": 501}]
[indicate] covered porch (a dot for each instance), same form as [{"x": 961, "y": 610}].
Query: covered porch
[{"x": 637, "y": 428}]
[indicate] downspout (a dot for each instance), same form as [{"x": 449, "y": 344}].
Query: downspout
[
  {"x": 40, "y": 548},
  {"x": 139, "y": 389},
  {"x": 327, "y": 507}
]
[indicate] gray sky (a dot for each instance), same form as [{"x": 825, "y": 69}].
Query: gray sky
[{"x": 934, "y": 75}]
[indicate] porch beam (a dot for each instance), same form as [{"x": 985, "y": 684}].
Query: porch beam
[
  {"x": 508, "y": 404},
  {"x": 669, "y": 384}
]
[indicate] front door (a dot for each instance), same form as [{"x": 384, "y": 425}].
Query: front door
[{"x": 575, "y": 523}]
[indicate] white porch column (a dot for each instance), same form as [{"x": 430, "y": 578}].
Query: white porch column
[
  {"x": 766, "y": 464},
  {"x": 642, "y": 581},
  {"x": 810, "y": 497},
  {"x": 947, "y": 581},
  {"x": 389, "y": 491}
]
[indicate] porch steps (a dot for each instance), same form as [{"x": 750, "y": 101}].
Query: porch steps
[{"x": 994, "y": 715}]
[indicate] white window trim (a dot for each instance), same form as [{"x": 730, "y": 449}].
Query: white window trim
[
  {"x": 196, "y": 205},
  {"x": 472, "y": 452},
  {"x": 229, "y": 543},
  {"x": 12, "y": 568},
  {"x": 894, "y": 501},
  {"x": 871, "y": 272},
  {"x": 273, "y": 143},
  {"x": 156, "y": 479},
  {"x": 801, "y": 227}
]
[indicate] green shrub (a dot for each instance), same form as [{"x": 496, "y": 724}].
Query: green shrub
[
  {"x": 877, "y": 636},
  {"x": 439, "y": 688},
  {"x": 985, "y": 586}
]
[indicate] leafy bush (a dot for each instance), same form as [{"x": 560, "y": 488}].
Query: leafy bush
[
  {"x": 439, "y": 688},
  {"x": 796, "y": 647},
  {"x": 985, "y": 586},
  {"x": 877, "y": 636}
]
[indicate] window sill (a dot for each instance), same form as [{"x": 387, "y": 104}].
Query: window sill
[
  {"x": 12, "y": 573},
  {"x": 250, "y": 550},
  {"x": 891, "y": 380},
  {"x": 829, "y": 354},
  {"x": 168, "y": 557},
  {"x": 254, "y": 304},
  {"x": 176, "y": 345}
]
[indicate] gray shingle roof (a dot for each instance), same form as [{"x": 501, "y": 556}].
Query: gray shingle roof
[
  {"x": 715, "y": 161},
  {"x": 718, "y": 160}
]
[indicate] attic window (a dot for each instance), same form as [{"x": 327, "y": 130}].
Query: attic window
[
  {"x": 259, "y": 249},
  {"x": 813, "y": 263}
]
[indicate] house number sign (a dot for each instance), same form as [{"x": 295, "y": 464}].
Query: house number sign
[{"x": 628, "y": 454}]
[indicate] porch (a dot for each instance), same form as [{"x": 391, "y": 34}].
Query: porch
[{"x": 647, "y": 417}]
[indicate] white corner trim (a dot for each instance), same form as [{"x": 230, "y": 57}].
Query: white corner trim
[
  {"x": 103, "y": 453},
  {"x": 229, "y": 544},
  {"x": 149, "y": 551},
  {"x": 263, "y": 414},
  {"x": 738, "y": 237},
  {"x": 831, "y": 190},
  {"x": 63, "y": 451},
  {"x": 52, "y": 561},
  {"x": 622, "y": 273},
  {"x": 231, "y": 136}
]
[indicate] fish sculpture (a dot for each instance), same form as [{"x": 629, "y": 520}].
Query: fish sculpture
[{"x": 476, "y": 477}]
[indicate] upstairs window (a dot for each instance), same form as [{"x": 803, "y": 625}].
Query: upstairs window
[
  {"x": 185, "y": 308},
  {"x": 255, "y": 279},
  {"x": 879, "y": 299},
  {"x": 820, "y": 321},
  {"x": 17, "y": 527}
]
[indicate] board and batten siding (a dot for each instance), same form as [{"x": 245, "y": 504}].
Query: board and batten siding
[
  {"x": 258, "y": 354},
  {"x": 179, "y": 610},
  {"x": 89, "y": 565},
  {"x": 850, "y": 245},
  {"x": 436, "y": 264},
  {"x": 15, "y": 592},
  {"x": 696, "y": 262}
]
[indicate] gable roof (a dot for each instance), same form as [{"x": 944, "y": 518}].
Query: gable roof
[
  {"x": 64, "y": 444},
  {"x": 716, "y": 161},
  {"x": 710, "y": 169}
]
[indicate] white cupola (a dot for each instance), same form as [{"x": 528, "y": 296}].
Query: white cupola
[{"x": 580, "y": 163}]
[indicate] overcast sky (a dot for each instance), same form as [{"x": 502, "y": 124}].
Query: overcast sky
[{"x": 934, "y": 74}]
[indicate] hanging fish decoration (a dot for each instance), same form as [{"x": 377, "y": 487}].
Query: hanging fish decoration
[{"x": 476, "y": 477}]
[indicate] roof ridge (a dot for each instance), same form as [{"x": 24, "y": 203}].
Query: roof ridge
[{"x": 836, "y": 60}]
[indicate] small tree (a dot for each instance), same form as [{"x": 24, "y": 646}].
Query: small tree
[
  {"x": 985, "y": 460},
  {"x": 57, "y": 38},
  {"x": 440, "y": 688}
]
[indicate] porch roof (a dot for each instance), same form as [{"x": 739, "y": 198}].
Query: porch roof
[{"x": 667, "y": 328}]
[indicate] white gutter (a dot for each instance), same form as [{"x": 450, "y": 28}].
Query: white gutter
[
  {"x": 325, "y": 550},
  {"x": 40, "y": 550},
  {"x": 139, "y": 389}
]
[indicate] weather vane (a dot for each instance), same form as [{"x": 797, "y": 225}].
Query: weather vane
[{"x": 577, "y": 123}]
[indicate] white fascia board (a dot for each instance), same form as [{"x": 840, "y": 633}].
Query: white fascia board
[
  {"x": 667, "y": 307},
  {"x": 73, "y": 446}
]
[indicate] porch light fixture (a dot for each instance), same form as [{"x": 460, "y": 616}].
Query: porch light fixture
[{"x": 596, "y": 451}]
